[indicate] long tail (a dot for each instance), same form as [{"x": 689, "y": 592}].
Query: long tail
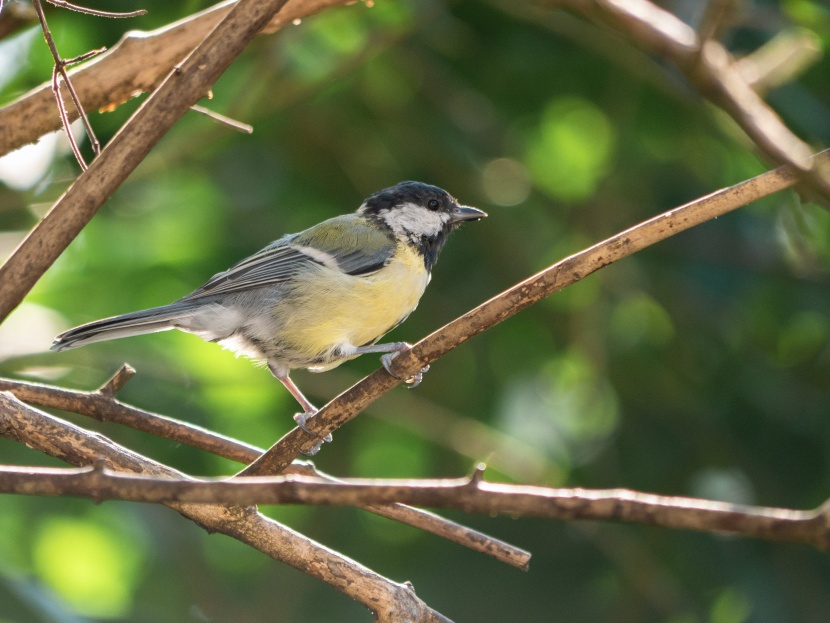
[{"x": 135, "y": 323}]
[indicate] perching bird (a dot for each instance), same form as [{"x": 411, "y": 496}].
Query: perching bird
[{"x": 317, "y": 298}]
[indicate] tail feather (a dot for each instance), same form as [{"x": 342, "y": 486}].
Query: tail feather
[{"x": 126, "y": 325}]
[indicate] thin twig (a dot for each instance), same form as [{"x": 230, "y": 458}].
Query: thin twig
[
  {"x": 81, "y": 9},
  {"x": 223, "y": 120},
  {"x": 68, "y": 62},
  {"x": 103, "y": 406},
  {"x": 67, "y": 127},
  {"x": 390, "y": 602},
  {"x": 508, "y": 303},
  {"x": 60, "y": 71}
]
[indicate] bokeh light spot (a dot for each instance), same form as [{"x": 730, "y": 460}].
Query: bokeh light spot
[
  {"x": 506, "y": 181},
  {"x": 571, "y": 149},
  {"x": 89, "y": 565},
  {"x": 731, "y": 606},
  {"x": 640, "y": 320}
]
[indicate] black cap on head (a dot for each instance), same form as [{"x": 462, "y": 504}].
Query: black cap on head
[
  {"x": 407, "y": 192},
  {"x": 420, "y": 213}
]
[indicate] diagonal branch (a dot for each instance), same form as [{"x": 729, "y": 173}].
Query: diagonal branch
[
  {"x": 554, "y": 278},
  {"x": 136, "y": 64},
  {"x": 472, "y": 495},
  {"x": 713, "y": 71},
  {"x": 188, "y": 83},
  {"x": 389, "y": 601},
  {"x": 14, "y": 17},
  {"x": 103, "y": 406}
]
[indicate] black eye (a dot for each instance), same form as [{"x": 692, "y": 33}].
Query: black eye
[{"x": 433, "y": 204}]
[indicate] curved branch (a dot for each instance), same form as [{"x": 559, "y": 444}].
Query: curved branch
[
  {"x": 554, "y": 278},
  {"x": 389, "y": 601}
]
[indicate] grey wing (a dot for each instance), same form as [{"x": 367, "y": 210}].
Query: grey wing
[
  {"x": 359, "y": 254},
  {"x": 276, "y": 263}
]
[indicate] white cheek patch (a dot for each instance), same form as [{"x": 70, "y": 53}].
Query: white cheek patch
[{"x": 414, "y": 220}]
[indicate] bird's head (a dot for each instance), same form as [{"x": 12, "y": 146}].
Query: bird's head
[{"x": 420, "y": 214}]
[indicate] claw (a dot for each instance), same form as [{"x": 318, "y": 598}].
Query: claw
[
  {"x": 386, "y": 360},
  {"x": 416, "y": 380},
  {"x": 412, "y": 382},
  {"x": 301, "y": 419},
  {"x": 314, "y": 449}
]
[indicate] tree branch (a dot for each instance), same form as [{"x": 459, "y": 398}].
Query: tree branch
[
  {"x": 713, "y": 71},
  {"x": 472, "y": 495},
  {"x": 104, "y": 407},
  {"x": 389, "y": 601},
  {"x": 136, "y": 64},
  {"x": 554, "y": 278},
  {"x": 14, "y": 17},
  {"x": 188, "y": 83}
]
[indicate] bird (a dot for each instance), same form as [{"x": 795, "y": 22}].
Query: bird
[{"x": 316, "y": 298}]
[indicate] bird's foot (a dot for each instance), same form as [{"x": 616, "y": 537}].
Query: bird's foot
[
  {"x": 301, "y": 419},
  {"x": 386, "y": 360}
]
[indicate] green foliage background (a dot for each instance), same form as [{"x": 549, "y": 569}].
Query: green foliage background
[{"x": 698, "y": 367}]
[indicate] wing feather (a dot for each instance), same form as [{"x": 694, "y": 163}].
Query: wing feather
[{"x": 346, "y": 243}]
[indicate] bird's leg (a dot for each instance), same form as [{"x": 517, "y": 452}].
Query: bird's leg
[
  {"x": 308, "y": 408},
  {"x": 392, "y": 350}
]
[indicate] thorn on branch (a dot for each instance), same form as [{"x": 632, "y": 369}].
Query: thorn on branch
[
  {"x": 478, "y": 475},
  {"x": 117, "y": 381}
]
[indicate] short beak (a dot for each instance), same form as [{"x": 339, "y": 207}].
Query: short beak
[{"x": 466, "y": 213}]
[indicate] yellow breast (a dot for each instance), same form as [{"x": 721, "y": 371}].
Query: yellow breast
[{"x": 356, "y": 310}]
